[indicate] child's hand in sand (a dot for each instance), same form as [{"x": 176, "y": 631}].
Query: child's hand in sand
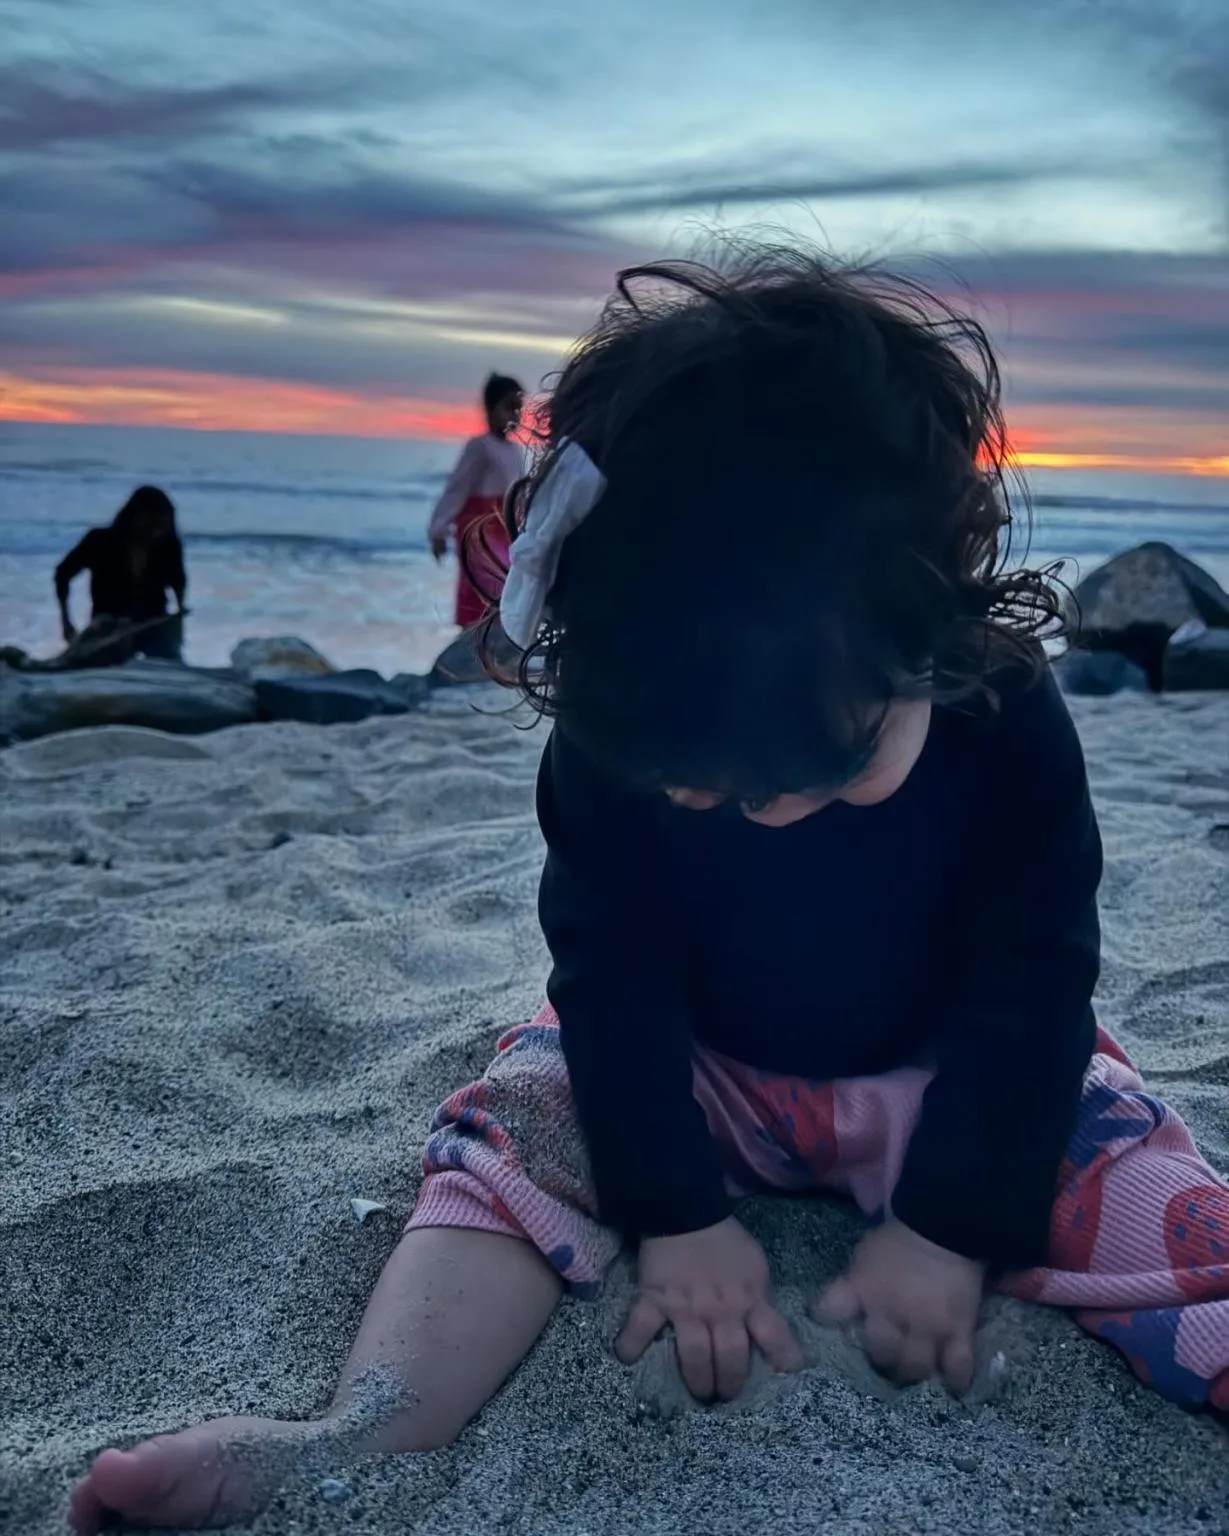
[
  {"x": 915, "y": 1305},
  {"x": 713, "y": 1288}
]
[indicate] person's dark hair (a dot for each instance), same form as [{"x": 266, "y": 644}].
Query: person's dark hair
[
  {"x": 497, "y": 389},
  {"x": 806, "y": 516},
  {"x": 147, "y": 504}
]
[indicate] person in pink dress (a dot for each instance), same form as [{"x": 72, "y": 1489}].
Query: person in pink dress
[{"x": 469, "y": 511}]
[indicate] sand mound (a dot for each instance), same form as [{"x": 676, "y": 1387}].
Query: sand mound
[{"x": 240, "y": 972}]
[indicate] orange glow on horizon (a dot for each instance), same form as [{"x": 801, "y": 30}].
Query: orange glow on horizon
[
  {"x": 1099, "y": 437},
  {"x": 1199, "y": 465},
  {"x": 1087, "y": 438},
  {"x": 220, "y": 403}
]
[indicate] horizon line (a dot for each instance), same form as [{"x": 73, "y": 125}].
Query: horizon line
[
  {"x": 1193, "y": 466},
  {"x": 169, "y": 399}
]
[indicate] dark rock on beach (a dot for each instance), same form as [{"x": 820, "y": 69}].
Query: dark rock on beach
[
  {"x": 1097, "y": 674},
  {"x": 1196, "y": 658},
  {"x": 413, "y": 686},
  {"x": 460, "y": 662},
  {"x": 282, "y": 656},
  {"x": 339, "y": 699},
  {"x": 1135, "y": 602},
  {"x": 293, "y": 681},
  {"x": 159, "y": 695},
  {"x": 278, "y": 679}
]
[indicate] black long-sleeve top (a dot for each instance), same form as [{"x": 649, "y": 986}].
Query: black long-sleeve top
[
  {"x": 955, "y": 922},
  {"x": 117, "y": 590}
]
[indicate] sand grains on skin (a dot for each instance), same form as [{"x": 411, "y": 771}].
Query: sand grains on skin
[
  {"x": 224, "y": 1471},
  {"x": 236, "y": 981}
]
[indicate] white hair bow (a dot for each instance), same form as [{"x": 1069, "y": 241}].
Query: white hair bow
[{"x": 558, "y": 507}]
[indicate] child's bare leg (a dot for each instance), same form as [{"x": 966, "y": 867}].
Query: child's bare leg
[{"x": 453, "y": 1314}]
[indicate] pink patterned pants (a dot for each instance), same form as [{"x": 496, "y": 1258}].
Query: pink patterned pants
[{"x": 1139, "y": 1241}]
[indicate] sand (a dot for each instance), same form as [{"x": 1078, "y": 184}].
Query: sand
[{"x": 240, "y": 971}]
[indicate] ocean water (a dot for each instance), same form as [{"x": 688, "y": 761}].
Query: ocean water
[{"x": 325, "y": 537}]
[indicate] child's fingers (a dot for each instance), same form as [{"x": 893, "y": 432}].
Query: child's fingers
[
  {"x": 731, "y": 1357},
  {"x": 956, "y": 1363},
  {"x": 85, "y": 1511},
  {"x": 774, "y": 1337},
  {"x": 694, "y": 1343},
  {"x": 644, "y": 1322},
  {"x": 917, "y": 1358},
  {"x": 840, "y": 1303},
  {"x": 883, "y": 1343}
]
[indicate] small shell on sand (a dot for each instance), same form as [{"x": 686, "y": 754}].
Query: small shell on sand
[
  {"x": 333, "y": 1490},
  {"x": 363, "y": 1208}
]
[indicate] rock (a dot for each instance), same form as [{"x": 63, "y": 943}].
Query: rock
[
  {"x": 1097, "y": 674},
  {"x": 1136, "y": 601},
  {"x": 1196, "y": 658},
  {"x": 1150, "y": 585},
  {"x": 159, "y": 695},
  {"x": 361, "y": 1209},
  {"x": 412, "y": 686},
  {"x": 340, "y": 699},
  {"x": 285, "y": 656},
  {"x": 460, "y": 663}
]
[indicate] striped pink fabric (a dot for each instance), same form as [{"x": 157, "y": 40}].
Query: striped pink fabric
[{"x": 1140, "y": 1233}]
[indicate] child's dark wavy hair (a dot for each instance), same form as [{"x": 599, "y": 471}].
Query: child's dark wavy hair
[{"x": 806, "y": 516}]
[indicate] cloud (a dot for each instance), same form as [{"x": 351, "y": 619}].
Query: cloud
[
  {"x": 309, "y": 212},
  {"x": 380, "y": 200},
  {"x": 761, "y": 186},
  {"x": 286, "y": 203},
  {"x": 1073, "y": 330},
  {"x": 1132, "y": 346},
  {"x": 338, "y": 201},
  {"x": 38, "y": 110},
  {"x": 377, "y": 348}
]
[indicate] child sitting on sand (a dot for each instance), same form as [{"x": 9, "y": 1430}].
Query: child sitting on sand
[{"x": 820, "y": 893}]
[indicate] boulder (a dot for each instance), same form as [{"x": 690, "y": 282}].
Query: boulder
[
  {"x": 340, "y": 699},
  {"x": 412, "y": 686},
  {"x": 160, "y": 695},
  {"x": 460, "y": 663},
  {"x": 1133, "y": 603},
  {"x": 284, "y": 656},
  {"x": 1097, "y": 674},
  {"x": 1196, "y": 658}
]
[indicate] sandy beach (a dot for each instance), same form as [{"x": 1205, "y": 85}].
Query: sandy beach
[{"x": 238, "y": 974}]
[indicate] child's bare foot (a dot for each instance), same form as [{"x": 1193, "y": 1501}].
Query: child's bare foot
[{"x": 216, "y": 1473}]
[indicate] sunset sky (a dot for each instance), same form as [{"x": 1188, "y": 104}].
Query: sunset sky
[{"x": 310, "y": 215}]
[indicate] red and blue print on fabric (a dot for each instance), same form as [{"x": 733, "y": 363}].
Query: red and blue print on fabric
[{"x": 1130, "y": 1161}]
